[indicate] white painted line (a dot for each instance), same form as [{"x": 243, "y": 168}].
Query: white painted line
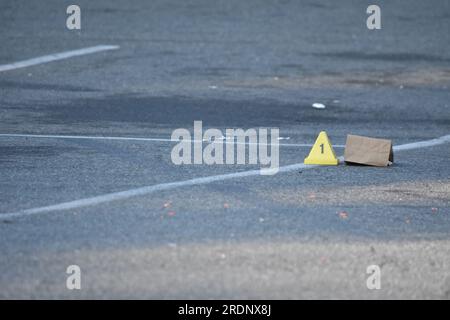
[
  {"x": 55, "y": 57},
  {"x": 13, "y": 135},
  {"x": 47, "y": 136},
  {"x": 115, "y": 196},
  {"x": 139, "y": 192},
  {"x": 423, "y": 144}
]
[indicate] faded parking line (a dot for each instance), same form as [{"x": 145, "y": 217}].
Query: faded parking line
[
  {"x": 55, "y": 57},
  {"x": 46, "y": 136}
]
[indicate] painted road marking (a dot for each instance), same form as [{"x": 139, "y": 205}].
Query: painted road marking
[
  {"x": 44, "y": 136},
  {"x": 115, "y": 196},
  {"x": 423, "y": 144},
  {"x": 55, "y": 57}
]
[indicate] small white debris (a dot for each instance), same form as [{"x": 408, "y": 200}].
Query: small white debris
[
  {"x": 336, "y": 101},
  {"x": 212, "y": 87},
  {"x": 284, "y": 138},
  {"x": 261, "y": 220},
  {"x": 318, "y": 106}
]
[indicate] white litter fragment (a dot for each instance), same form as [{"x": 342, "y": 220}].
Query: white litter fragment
[
  {"x": 318, "y": 106},
  {"x": 284, "y": 138},
  {"x": 212, "y": 87}
]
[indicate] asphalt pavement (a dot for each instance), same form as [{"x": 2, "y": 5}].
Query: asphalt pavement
[{"x": 304, "y": 233}]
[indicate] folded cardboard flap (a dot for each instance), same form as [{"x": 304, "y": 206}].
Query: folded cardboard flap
[{"x": 368, "y": 151}]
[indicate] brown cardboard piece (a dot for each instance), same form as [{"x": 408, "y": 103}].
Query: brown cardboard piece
[{"x": 368, "y": 151}]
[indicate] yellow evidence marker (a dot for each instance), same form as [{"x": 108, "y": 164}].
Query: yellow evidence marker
[{"x": 322, "y": 152}]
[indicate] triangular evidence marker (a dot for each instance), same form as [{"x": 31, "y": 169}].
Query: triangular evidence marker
[{"x": 322, "y": 152}]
